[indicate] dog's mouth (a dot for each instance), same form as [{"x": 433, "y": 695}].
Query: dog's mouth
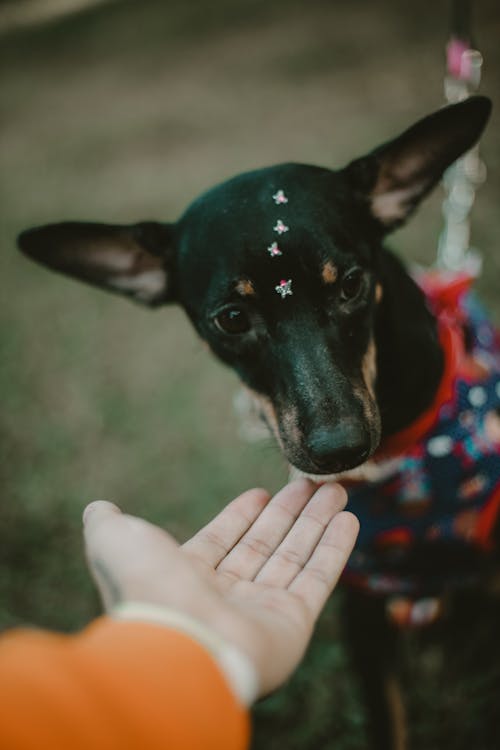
[{"x": 369, "y": 471}]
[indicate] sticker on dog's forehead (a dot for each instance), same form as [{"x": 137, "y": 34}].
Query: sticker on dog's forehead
[
  {"x": 281, "y": 227},
  {"x": 284, "y": 288},
  {"x": 274, "y": 250},
  {"x": 279, "y": 197}
]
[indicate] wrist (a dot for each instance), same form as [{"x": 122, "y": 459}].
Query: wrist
[{"x": 236, "y": 666}]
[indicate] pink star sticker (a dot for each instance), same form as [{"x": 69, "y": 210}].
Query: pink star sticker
[
  {"x": 280, "y": 227},
  {"x": 280, "y": 197},
  {"x": 274, "y": 250}
]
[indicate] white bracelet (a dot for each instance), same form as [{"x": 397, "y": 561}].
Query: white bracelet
[{"x": 236, "y": 666}]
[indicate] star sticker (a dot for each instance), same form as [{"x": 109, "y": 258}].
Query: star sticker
[
  {"x": 284, "y": 288},
  {"x": 280, "y": 197},
  {"x": 274, "y": 250},
  {"x": 280, "y": 227}
]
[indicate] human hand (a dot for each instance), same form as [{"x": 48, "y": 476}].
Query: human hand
[{"x": 258, "y": 575}]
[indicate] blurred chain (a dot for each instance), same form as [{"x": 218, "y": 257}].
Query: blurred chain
[{"x": 465, "y": 176}]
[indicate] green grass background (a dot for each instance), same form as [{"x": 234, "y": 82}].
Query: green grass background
[{"x": 126, "y": 112}]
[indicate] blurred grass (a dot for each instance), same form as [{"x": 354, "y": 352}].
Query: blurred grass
[{"x": 126, "y": 112}]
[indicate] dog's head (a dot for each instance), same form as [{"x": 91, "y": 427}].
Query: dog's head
[{"x": 278, "y": 271}]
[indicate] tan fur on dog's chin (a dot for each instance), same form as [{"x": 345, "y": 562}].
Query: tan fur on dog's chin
[{"x": 370, "y": 471}]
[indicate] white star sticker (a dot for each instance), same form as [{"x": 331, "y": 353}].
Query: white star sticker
[{"x": 284, "y": 288}]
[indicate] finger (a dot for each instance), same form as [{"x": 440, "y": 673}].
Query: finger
[
  {"x": 97, "y": 510},
  {"x": 128, "y": 557},
  {"x": 96, "y": 516},
  {"x": 115, "y": 536},
  {"x": 213, "y": 542},
  {"x": 261, "y": 540},
  {"x": 302, "y": 539},
  {"x": 316, "y": 581}
]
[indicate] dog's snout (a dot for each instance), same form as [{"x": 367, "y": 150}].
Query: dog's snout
[{"x": 338, "y": 448}]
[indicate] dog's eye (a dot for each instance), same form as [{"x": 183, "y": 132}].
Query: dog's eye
[
  {"x": 232, "y": 320},
  {"x": 351, "y": 284}
]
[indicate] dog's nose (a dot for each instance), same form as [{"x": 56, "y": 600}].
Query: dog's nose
[{"x": 338, "y": 448}]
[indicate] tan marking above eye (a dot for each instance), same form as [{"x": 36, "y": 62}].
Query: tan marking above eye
[
  {"x": 329, "y": 273},
  {"x": 378, "y": 293},
  {"x": 245, "y": 288}
]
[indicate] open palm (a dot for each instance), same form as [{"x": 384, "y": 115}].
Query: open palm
[{"x": 258, "y": 575}]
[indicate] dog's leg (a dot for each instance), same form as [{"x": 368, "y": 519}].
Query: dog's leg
[
  {"x": 461, "y": 706},
  {"x": 373, "y": 644}
]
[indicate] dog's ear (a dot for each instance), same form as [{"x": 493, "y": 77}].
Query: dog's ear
[
  {"x": 134, "y": 260},
  {"x": 396, "y": 176}
]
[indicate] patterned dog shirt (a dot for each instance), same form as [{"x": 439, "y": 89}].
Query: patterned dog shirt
[{"x": 427, "y": 520}]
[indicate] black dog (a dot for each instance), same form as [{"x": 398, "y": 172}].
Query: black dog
[{"x": 283, "y": 272}]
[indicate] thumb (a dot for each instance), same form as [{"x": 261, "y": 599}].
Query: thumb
[
  {"x": 96, "y": 511},
  {"x": 129, "y": 557},
  {"x": 98, "y": 530}
]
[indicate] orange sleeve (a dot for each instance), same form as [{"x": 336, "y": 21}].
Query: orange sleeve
[{"x": 116, "y": 686}]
